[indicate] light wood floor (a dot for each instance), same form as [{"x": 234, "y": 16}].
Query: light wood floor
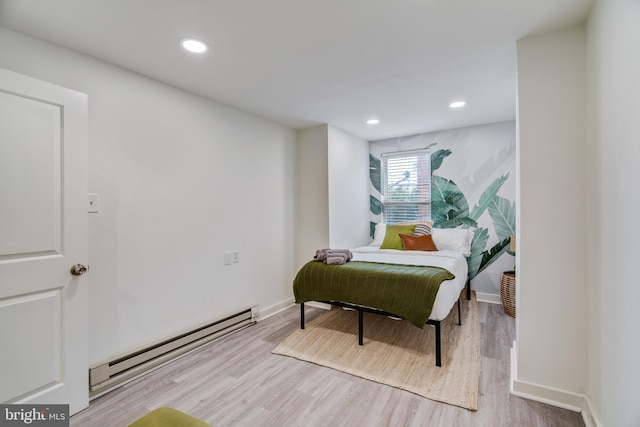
[{"x": 236, "y": 381}]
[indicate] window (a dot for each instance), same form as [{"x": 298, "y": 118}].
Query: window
[{"x": 406, "y": 186}]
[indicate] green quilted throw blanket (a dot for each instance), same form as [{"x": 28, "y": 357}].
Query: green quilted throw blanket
[{"x": 404, "y": 290}]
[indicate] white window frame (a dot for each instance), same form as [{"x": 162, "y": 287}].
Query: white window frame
[{"x": 418, "y": 183}]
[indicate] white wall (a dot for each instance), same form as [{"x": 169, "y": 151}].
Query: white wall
[
  {"x": 181, "y": 179},
  {"x": 332, "y": 191},
  {"x": 552, "y": 332},
  {"x": 614, "y": 159},
  {"x": 312, "y": 192},
  {"x": 348, "y": 162}
]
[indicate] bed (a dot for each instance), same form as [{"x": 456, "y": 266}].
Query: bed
[{"x": 390, "y": 281}]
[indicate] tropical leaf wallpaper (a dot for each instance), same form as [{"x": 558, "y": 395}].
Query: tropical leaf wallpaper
[{"x": 472, "y": 186}]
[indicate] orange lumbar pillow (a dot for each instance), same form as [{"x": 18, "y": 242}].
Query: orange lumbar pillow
[{"x": 418, "y": 243}]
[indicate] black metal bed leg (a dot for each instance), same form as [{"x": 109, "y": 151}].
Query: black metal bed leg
[
  {"x": 468, "y": 288},
  {"x": 360, "y": 328},
  {"x": 301, "y": 315},
  {"x": 459, "y": 316},
  {"x": 438, "y": 353}
]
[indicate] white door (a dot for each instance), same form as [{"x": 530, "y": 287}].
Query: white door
[{"x": 43, "y": 232}]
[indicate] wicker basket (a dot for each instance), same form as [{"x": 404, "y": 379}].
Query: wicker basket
[{"x": 508, "y": 292}]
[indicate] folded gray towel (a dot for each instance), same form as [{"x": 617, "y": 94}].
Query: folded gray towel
[
  {"x": 346, "y": 252},
  {"x": 336, "y": 259},
  {"x": 323, "y": 254}
]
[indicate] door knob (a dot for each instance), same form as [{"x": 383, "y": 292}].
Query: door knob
[{"x": 78, "y": 269}]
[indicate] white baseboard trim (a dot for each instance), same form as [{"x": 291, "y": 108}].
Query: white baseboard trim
[
  {"x": 490, "y": 298},
  {"x": 275, "y": 309},
  {"x": 281, "y": 306},
  {"x": 588, "y": 415},
  {"x": 551, "y": 396},
  {"x": 317, "y": 304}
]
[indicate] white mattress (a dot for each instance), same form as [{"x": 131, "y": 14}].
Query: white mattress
[{"x": 449, "y": 290}]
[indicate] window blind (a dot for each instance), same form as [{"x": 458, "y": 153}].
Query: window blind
[{"x": 406, "y": 186}]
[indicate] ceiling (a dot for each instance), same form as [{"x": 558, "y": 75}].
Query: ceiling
[{"x": 303, "y": 63}]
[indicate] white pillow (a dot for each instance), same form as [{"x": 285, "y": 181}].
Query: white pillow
[
  {"x": 378, "y": 234},
  {"x": 453, "y": 239}
]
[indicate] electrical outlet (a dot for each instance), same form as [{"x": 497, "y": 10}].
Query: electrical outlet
[
  {"x": 235, "y": 256},
  {"x": 94, "y": 203}
]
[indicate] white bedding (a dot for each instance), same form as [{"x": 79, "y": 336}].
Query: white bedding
[{"x": 449, "y": 290}]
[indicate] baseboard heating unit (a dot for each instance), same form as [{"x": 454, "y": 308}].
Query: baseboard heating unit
[{"x": 108, "y": 375}]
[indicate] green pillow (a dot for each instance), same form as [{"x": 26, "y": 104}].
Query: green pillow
[{"x": 392, "y": 238}]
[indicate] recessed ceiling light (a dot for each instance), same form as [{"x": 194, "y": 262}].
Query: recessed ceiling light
[
  {"x": 458, "y": 104},
  {"x": 193, "y": 45},
  {"x": 373, "y": 121}
]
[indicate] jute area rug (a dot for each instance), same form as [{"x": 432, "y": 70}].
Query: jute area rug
[{"x": 397, "y": 353}]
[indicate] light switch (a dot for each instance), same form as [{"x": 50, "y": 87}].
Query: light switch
[
  {"x": 227, "y": 259},
  {"x": 94, "y": 203}
]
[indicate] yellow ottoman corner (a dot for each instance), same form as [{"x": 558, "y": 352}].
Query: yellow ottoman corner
[{"x": 168, "y": 417}]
